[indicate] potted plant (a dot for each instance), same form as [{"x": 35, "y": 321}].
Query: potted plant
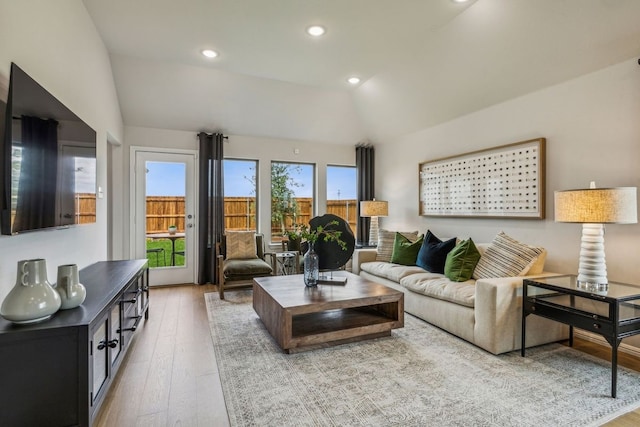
[
  {"x": 173, "y": 229},
  {"x": 303, "y": 232},
  {"x": 293, "y": 240},
  {"x": 311, "y": 260}
]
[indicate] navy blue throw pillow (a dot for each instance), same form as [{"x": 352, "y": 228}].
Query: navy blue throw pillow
[{"x": 433, "y": 253}]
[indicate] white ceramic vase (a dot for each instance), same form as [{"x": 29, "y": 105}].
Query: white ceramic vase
[
  {"x": 72, "y": 292},
  {"x": 32, "y": 299}
]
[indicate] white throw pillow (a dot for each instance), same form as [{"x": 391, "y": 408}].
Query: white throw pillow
[
  {"x": 386, "y": 238},
  {"x": 506, "y": 257},
  {"x": 241, "y": 244}
]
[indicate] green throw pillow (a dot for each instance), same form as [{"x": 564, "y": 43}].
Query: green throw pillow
[
  {"x": 405, "y": 251},
  {"x": 461, "y": 261}
]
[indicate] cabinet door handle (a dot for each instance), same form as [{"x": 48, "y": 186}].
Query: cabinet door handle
[
  {"x": 131, "y": 301},
  {"x": 113, "y": 343},
  {"x": 102, "y": 345}
]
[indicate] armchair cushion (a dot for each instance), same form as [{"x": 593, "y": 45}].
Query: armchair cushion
[
  {"x": 238, "y": 269},
  {"x": 241, "y": 245}
]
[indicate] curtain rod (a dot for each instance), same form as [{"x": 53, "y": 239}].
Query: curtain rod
[{"x": 211, "y": 134}]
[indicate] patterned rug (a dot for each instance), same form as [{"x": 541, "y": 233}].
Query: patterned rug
[{"x": 419, "y": 376}]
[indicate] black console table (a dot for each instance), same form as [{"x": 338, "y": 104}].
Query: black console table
[
  {"x": 613, "y": 313},
  {"x": 56, "y": 373}
]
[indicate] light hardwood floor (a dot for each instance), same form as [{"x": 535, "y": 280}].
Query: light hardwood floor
[{"x": 169, "y": 376}]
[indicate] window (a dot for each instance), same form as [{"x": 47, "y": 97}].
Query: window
[
  {"x": 292, "y": 187},
  {"x": 240, "y": 185},
  {"x": 342, "y": 193}
]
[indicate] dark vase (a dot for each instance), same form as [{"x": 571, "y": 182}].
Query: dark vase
[
  {"x": 293, "y": 244},
  {"x": 311, "y": 267}
]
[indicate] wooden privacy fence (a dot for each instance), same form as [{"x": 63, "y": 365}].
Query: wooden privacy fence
[
  {"x": 239, "y": 213},
  {"x": 86, "y": 208},
  {"x": 163, "y": 211}
]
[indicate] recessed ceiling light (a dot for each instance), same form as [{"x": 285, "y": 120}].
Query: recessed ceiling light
[
  {"x": 210, "y": 53},
  {"x": 353, "y": 80},
  {"x": 459, "y": 1},
  {"x": 316, "y": 30}
]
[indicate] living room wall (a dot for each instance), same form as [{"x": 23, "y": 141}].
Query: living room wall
[
  {"x": 592, "y": 127},
  {"x": 57, "y": 44},
  {"x": 239, "y": 147}
]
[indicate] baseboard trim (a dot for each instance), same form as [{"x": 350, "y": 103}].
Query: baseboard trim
[{"x": 599, "y": 339}]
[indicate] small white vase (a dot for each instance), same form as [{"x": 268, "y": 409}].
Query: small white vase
[
  {"x": 32, "y": 299},
  {"x": 72, "y": 292}
]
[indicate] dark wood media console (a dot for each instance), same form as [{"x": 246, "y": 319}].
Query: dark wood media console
[{"x": 56, "y": 373}]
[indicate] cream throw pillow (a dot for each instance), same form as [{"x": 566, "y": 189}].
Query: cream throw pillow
[
  {"x": 241, "y": 244},
  {"x": 506, "y": 257},
  {"x": 386, "y": 239}
]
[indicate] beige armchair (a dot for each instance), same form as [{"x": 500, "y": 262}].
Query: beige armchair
[{"x": 240, "y": 259}]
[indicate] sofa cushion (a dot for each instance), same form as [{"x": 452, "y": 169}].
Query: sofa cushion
[
  {"x": 405, "y": 251},
  {"x": 386, "y": 238},
  {"x": 461, "y": 261},
  {"x": 433, "y": 253},
  {"x": 506, "y": 257},
  {"x": 438, "y": 286},
  {"x": 390, "y": 271}
]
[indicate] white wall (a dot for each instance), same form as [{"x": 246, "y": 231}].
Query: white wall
[
  {"x": 239, "y": 147},
  {"x": 592, "y": 127},
  {"x": 57, "y": 44}
]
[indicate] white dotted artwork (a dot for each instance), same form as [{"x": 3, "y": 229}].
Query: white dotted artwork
[{"x": 505, "y": 181}]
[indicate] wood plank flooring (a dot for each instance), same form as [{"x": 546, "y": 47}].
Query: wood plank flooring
[{"x": 169, "y": 376}]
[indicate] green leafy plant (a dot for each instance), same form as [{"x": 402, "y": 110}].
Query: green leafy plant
[{"x": 304, "y": 232}]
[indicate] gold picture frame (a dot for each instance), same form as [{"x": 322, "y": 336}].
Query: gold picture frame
[{"x": 501, "y": 182}]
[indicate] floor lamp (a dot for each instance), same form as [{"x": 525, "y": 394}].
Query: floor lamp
[
  {"x": 594, "y": 207},
  {"x": 374, "y": 209}
]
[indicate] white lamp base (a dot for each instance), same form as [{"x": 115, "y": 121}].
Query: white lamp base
[
  {"x": 373, "y": 231},
  {"x": 592, "y": 270}
]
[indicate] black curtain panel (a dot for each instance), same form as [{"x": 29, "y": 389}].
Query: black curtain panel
[
  {"x": 365, "y": 171},
  {"x": 36, "y": 205},
  {"x": 211, "y": 205}
]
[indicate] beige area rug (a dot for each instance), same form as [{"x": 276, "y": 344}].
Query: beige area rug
[{"x": 420, "y": 376}]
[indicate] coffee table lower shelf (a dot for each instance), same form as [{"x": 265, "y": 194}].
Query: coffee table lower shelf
[{"x": 339, "y": 326}]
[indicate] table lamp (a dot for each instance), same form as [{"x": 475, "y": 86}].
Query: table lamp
[
  {"x": 594, "y": 207},
  {"x": 374, "y": 209}
]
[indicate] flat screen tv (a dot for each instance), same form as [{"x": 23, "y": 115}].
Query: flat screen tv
[{"x": 48, "y": 167}]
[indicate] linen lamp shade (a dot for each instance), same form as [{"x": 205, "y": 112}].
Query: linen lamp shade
[
  {"x": 371, "y": 208},
  {"x": 374, "y": 208},
  {"x": 597, "y": 205}
]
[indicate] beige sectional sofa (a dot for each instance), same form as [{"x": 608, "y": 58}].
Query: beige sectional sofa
[{"x": 485, "y": 312}]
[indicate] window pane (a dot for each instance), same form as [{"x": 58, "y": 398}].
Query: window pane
[
  {"x": 291, "y": 196},
  {"x": 342, "y": 193},
  {"x": 240, "y": 194}
]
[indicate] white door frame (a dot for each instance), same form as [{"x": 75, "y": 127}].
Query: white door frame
[{"x": 136, "y": 241}]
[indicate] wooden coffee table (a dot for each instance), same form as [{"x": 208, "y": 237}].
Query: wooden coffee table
[{"x": 298, "y": 317}]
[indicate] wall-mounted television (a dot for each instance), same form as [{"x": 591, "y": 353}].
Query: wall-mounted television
[{"x": 48, "y": 161}]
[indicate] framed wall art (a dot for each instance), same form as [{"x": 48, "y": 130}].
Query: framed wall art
[{"x": 501, "y": 182}]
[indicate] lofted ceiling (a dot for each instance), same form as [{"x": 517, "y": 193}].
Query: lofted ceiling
[{"x": 421, "y": 62}]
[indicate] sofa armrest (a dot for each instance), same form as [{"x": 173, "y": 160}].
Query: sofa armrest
[
  {"x": 360, "y": 256},
  {"x": 498, "y": 312}
]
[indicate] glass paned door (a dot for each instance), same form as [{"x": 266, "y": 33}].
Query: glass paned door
[{"x": 165, "y": 222}]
